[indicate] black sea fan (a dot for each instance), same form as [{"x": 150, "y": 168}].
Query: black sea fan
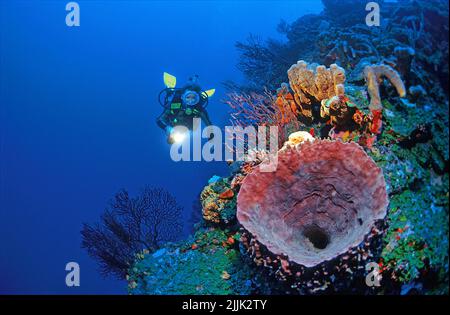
[{"x": 131, "y": 225}]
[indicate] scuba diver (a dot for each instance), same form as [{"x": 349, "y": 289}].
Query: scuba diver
[{"x": 182, "y": 105}]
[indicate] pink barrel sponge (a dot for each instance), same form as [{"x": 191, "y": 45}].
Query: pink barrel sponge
[{"x": 322, "y": 200}]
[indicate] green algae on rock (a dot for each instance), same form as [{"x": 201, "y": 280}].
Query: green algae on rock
[{"x": 207, "y": 263}]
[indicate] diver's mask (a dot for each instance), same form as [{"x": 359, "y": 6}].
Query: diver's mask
[{"x": 190, "y": 98}]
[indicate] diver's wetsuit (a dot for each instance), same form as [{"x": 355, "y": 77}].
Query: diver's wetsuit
[{"x": 178, "y": 114}]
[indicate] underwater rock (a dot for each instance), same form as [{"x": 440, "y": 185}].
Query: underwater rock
[
  {"x": 213, "y": 266},
  {"x": 321, "y": 201}
]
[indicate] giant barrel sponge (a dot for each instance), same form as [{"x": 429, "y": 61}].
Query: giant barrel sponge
[{"x": 322, "y": 200}]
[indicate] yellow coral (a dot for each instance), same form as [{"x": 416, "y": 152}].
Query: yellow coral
[{"x": 373, "y": 75}]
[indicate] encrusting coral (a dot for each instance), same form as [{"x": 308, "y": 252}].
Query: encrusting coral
[{"x": 322, "y": 200}]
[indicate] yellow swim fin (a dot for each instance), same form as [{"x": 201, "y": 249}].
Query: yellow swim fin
[
  {"x": 169, "y": 80},
  {"x": 210, "y": 92}
]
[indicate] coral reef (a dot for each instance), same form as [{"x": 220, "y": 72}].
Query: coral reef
[
  {"x": 207, "y": 264},
  {"x": 322, "y": 200},
  {"x": 218, "y": 202},
  {"x": 413, "y": 33},
  {"x": 326, "y": 87},
  {"x": 347, "y": 122},
  {"x": 260, "y": 253}
]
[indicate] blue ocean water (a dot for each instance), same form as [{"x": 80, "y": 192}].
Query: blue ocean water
[{"x": 77, "y": 117}]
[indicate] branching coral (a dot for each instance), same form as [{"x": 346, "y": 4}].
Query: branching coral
[
  {"x": 251, "y": 109},
  {"x": 132, "y": 224},
  {"x": 256, "y": 109},
  {"x": 257, "y": 56},
  {"x": 322, "y": 200}
]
